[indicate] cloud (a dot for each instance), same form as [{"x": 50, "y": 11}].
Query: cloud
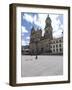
[
  {"x": 28, "y": 18},
  {"x": 55, "y": 22},
  {"x": 42, "y": 18},
  {"x": 28, "y": 37},
  {"x": 58, "y": 33},
  {"x": 56, "y": 25},
  {"x": 25, "y": 42},
  {"x": 39, "y": 21},
  {"x": 24, "y": 30}
]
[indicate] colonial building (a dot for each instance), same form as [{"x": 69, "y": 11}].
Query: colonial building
[
  {"x": 45, "y": 44},
  {"x": 57, "y": 46}
]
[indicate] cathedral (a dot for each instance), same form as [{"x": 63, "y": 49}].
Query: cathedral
[{"x": 45, "y": 44}]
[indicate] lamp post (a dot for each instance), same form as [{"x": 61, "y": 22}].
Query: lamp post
[
  {"x": 36, "y": 43},
  {"x": 62, "y": 33}
]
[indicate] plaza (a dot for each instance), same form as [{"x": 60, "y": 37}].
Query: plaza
[{"x": 42, "y": 66}]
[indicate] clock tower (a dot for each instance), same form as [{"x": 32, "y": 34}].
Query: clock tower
[{"x": 48, "y": 28}]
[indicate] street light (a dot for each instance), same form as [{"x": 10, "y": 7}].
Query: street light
[{"x": 36, "y": 43}]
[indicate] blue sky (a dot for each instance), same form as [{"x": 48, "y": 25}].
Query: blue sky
[{"x": 38, "y": 21}]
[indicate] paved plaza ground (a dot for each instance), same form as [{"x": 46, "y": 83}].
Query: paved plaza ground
[{"x": 43, "y": 66}]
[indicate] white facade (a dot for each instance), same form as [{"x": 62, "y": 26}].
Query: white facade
[{"x": 57, "y": 46}]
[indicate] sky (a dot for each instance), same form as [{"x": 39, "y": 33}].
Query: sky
[{"x": 28, "y": 20}]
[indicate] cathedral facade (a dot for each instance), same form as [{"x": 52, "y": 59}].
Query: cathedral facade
[{"x": 45, "y": 44}]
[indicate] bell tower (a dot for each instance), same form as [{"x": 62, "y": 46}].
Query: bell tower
[{"x": 48, "y": 28}]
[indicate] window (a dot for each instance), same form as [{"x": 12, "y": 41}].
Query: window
[
  {"x": 56, "y": 45},
  {"x": 59, "y": 45},
  {"x": 51, "y": 46},
  {"x": 57, "y": 50},
  {"x": 56, "y": 41},
  {"x": 41, "y": 49},
  {"x": 60, "y": 49},
  {"x": 59, "y": 40}
]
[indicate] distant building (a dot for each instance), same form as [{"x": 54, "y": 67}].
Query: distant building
[
  {"x": 25, "y": 50},
  {"x": 45, "y": 44}
]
